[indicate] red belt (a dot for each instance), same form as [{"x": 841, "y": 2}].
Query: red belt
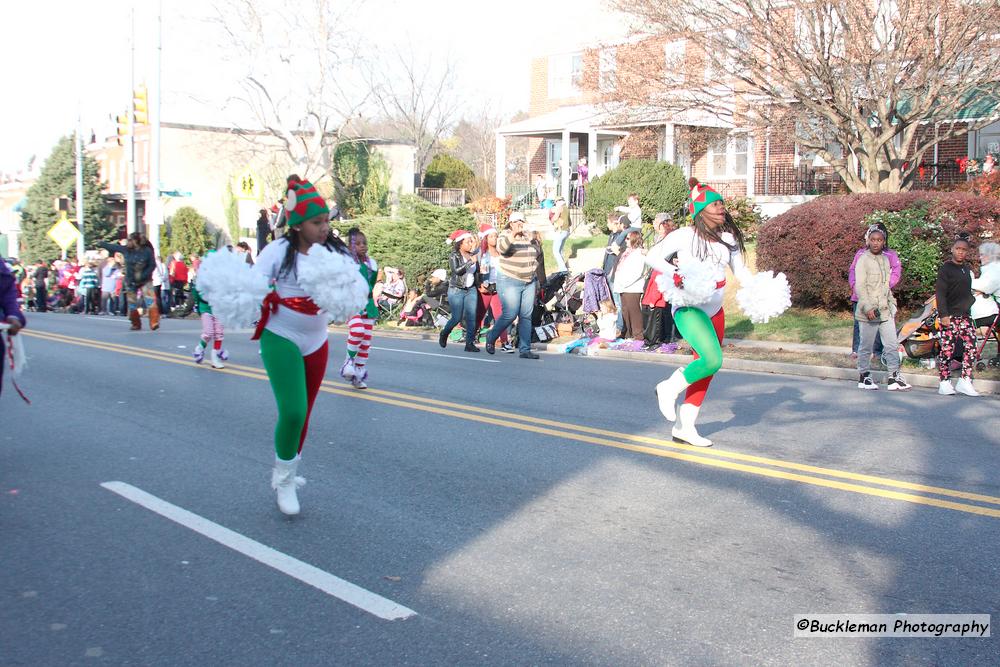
[
  {"x": 679, "y": 282},
  {"x": 300, "y": 304}
]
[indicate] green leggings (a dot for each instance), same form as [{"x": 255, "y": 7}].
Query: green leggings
[
  {"x": 295, "y": 381},
  {"x": 704, "y": 333}
]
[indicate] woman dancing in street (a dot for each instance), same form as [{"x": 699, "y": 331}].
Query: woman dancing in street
[
  {"x": 704, "y": 250},
  {"x": 359, "y": 327},
  {"x": 293, "y": 333}
]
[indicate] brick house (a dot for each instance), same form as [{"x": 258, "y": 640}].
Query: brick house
[{"x": 570, "y": 117}]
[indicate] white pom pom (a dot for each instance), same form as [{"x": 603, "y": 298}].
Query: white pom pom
[
  {"x": 334, "y": 282},
  {"x": 233, "y": 289},
  {"x": 699, "y": 283},
  {"x": 764, "y": 296},
  {"x": 291, "y": 199}
]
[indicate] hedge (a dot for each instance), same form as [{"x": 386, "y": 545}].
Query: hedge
[
  {"x": 661, "y": 187},
  {"x": 415, "y": 240},
  {"x": 814, "y": 243}
]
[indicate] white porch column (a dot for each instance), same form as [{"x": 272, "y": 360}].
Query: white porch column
[
  {"x": 751, "y": 161},
  {"x": 669, "y": 150},
  {"x": 592, "y": 153},
  {"x": 501, "y": 166},
  {"x": 564, "y": 167}
]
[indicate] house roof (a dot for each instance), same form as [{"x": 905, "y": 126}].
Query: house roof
[
  {"x": 587, "y": 117},
  {"x": 977, "y": 104}
]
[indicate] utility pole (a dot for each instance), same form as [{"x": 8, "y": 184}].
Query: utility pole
[
  {"x": 154, "y": 205},
  {"x": 79, "y": 185},
  {"x": 132, "y": 224}
]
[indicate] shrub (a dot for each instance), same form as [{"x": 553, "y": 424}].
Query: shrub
[
  {"x": 661, "y": 186},
  {"x": 447, "y": 171},
  {"x": 747, "y": 216},
  {"x": 188, "y": 232},
  {"x": 363, "y": 180},
  {"x": 415, "y": 240},
  {"x": 815, "y": 242},
  {"x": 485, "y": 208},
  {"x": 984, "y": 186},
  {"x": 917, "y": 240}
]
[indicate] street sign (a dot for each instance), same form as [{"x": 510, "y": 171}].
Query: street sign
[
  {"x": 64, "y": 233},
  {"x": 248, "y": 186}
]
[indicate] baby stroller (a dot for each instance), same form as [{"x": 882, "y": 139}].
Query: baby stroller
[{"x": 920, "y": 336}]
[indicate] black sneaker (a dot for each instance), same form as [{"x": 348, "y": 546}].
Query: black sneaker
[
  {"x": 529, "y": 355},
  {"x": 865, "y": 381},
  {"x": 897, "y": 383},
  {"x": 443, "y": 339},
  {"x": 491, "y": 346},
  {"x": 469, "y": 347},
  {"x": 508, "y": 348}
]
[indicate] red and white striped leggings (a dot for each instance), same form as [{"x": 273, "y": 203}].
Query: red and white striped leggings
[
  {"x": 359, "y": 338},
  {"x": 211, "y": 330}
]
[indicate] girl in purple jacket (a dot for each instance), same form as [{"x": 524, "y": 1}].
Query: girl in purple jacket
[{"x": 10, "y": 311}]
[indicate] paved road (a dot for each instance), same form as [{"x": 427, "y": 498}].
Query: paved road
[{"x": 529, "y": 512}]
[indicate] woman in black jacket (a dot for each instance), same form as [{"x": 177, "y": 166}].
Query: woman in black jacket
[
  {"x": 463, "y": 296},
  {"x": 137, "y": 279}
]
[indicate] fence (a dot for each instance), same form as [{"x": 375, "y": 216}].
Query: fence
[
  {"x": 787, "y": 180},
  {"x": 449, "y": 197}
]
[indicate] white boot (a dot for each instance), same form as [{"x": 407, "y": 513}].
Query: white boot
[
  {"x": 685, "y": 430},
  {"x": 964, "y": 386},
  {"x": 668, "y": 391},
  {"x": 285, "y": 483},
  {"x": 945, "y": 388},
  {"x": 214, "y": 359}
]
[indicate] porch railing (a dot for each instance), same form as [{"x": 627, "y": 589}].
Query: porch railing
[{"x": 448, "y": 197}]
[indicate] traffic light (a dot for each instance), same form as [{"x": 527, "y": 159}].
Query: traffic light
[
  {"x": 123, "y": 127},
  {"x": 140, "y": 103}
]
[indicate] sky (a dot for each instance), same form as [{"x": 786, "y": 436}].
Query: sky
[{"x": 66, "y": 58}]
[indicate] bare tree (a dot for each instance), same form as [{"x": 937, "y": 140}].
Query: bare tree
[
  {"x": 475, "y": 140},
  {"x": 418, "y": 97},
  {"x": 301, "y": 80},
  {"x": 871, "y": 86}
]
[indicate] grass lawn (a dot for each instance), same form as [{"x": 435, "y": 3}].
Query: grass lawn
[
  {"x": 570, "y": 248},
  {"x": 797, "y": 325}
]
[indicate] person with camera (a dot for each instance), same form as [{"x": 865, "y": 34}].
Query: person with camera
[
  {"x": 876, "y": 311},
  {"x": 516, "y": 285}
]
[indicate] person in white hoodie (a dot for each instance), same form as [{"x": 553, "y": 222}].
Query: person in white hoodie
[{"x": 630, "y": 282}]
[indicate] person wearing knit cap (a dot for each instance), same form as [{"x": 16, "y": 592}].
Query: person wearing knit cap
[
  {"x": 516, "y": 285},
  {"x": 715, "y": 241},
  {"x": 293, "y": 333},
  {"x": 463, "y": 295},
  {"x": 360, "y": 327},
  {"x": 489, "y": 269}
]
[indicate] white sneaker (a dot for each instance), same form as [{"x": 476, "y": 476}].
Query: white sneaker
[
  {"x": 945, "y": 388},
  {"x": 897, "y": 383},
  {"x": 964, "y": 386},
  {"x": 358, "y": 383},
  {"x": 214, "y": 359},
  {"x": 347, "y": 370},
  {"x": 865, "y": 381}
]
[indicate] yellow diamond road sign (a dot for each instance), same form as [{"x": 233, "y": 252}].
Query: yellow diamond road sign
[
  {"x": 249, "y": 186},
  {"x": 64, "y": 233}
]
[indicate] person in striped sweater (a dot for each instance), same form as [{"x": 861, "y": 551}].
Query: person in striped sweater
[{"x": 516, "y": 285}]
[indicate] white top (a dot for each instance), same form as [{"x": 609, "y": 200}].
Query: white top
[
  {"x": 685, "y": 243},
  {"x": 309, "y": 332},
  {"x": 628, "y": 274},
  {"x": 634, "y": 214}
]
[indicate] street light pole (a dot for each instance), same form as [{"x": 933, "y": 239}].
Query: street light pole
[
  {"x": 79, "y": 185},
  {"x": 154, "y": 205},
  {"x": 132, "y": 224}
]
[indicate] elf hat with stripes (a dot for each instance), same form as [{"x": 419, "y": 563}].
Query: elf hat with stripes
[
  {"x": 303, "y": 202},
  {"x": 701, "y": 196}
]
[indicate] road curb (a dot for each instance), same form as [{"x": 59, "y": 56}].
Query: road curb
[{"x": 774, "y": 367}]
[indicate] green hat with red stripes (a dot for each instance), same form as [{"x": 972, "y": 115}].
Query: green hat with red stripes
[
  {"x": 303, "y": 202},
  {"x": 701, "y": 196}
]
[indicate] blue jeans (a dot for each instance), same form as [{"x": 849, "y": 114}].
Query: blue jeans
[
  {"x": 463, "y": 307},
  {"x": 558, "y": 241},
  {"x": 517, "y": 298},
  {"x": 620, "y": 323}
]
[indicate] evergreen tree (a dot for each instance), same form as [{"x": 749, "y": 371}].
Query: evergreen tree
[
  {"x": 58, "y": 179},
  {"x": 189, "y": 232}
]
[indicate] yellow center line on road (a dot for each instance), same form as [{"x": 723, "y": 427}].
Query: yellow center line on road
[{"x": 579, "y": 433}]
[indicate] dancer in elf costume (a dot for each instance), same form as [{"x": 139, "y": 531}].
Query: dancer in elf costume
[
  {"x": 695, "y": 289},
  {"x": 293, "y": 332},
  {"x": 359, "y": 327},
  {"x": 211, "y": 332}
]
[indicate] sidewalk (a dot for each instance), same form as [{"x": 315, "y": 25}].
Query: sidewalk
[{"x": 985, "y": 387}]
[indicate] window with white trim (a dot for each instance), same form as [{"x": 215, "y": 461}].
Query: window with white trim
[
  {"x": 607, "y": 70},
  {"x": 673, "y": 62},
  {"x": 565, "y": 72},
  {"x": 728, "y": 155}
]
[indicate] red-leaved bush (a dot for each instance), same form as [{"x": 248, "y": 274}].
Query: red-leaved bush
[{"x": 814, "y": 243}]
